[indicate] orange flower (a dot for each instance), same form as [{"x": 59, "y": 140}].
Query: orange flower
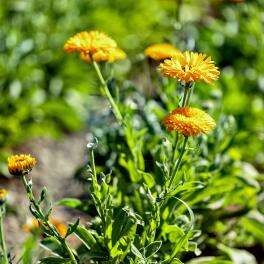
[
  {"x": 189, "y": 121},
  {"x": 161, "y": 51},
  {"x": 95, "y": 45},
  {"x": 33, "y": 226},
  {"x": 19, "y": 164},
  {"x": 112, "y": 56},
  {"x": 190, "y": 66},
  {"x": 3, "y": 194}
]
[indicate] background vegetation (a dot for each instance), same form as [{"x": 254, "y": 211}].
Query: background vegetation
[{"x": 45, "y": 93}]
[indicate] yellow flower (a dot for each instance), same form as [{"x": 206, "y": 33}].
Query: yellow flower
[
  {"x": 3, "y": 194},
  {"x": 161, "y": 51},
  {"x": 19, "y": 164},
  {"x": 33, "y": 226},
  {"x": 96, "y": 45},
  {"x": 112, "y": 56},
  {"x": 189, "y": 121},
  {"x": 190, "y": 66}
]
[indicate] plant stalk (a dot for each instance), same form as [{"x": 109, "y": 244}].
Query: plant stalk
[
  {"x": 2, "y": 236},
  {"x": 116, "y": 111},
  {"x": 46, "y": 222},
  {"x": 174, "y": 173}
]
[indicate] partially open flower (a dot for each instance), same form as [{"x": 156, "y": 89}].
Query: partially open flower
[
  {"x": 190, "y": 66},
  {"x": 94, "y": 45},
  {"x": 189, "y": 121},
  {"x": 161, "y": 51},
  {"x": 20, "y": 164},
  {"x": 33, "y": 226},
  {"x": 3, "y": 194}
]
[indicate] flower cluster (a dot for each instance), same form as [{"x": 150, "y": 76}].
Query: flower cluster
[
  {"x": 94, "y": 45},
  {"x": 19, "y": 164}
]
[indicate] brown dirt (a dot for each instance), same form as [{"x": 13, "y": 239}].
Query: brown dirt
[{"x": 57, "y": 162}]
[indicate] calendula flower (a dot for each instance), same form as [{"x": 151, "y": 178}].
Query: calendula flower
[
  {"x": 94, "y": 45},
  {"x": 190, "y": 66},
  {"x": 189, "y": 121},
  {"x": 112, "y": 56},
  {"x": 19, "y": 164},
  {"x": 161, "y": 51},
  {"x": 3, "y": 194},
  {"x": 33, "y": 226}
]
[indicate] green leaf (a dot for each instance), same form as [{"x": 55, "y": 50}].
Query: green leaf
[
  {"x": 238, "y": 256},
  {"x": 54, "y": 260},
  {"x": 86, "y": 237},
  {"x": 42, "y": 195},
  {"x": 148, "y": 178},
  {"x": 152, "y": 248},
  {"x": 29, "y": 247},
  {"x": 254, "y": 227},
  {"x": 72, "y": 227},
  {"x": 209, "y": 260},
  {"x": 137, "y": 253},
  {"x": 121, "y": 248},
  {"x": 109, "y": 228},
  {"x": 54, "y": 246},
  {"x": 70, "y": 202}
]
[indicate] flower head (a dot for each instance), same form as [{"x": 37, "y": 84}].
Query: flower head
[
  {"x": 33, "y": 226},
  {"x": 189, "y": 121},
  {"x": 3, "y": 194},
  {"x": 190, "y": 66},
  {"x": 94, "y": 45},
  {"x": 161, "y": 51},
  {"x": 112, "y": 56},
  {"x": 19, "y": 164}
]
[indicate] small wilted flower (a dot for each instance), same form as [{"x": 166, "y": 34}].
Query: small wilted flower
[
  {"x": 33, "y": 226},
  {"x": 161, "y": 51},
  {"x": 19, "y": 164},
  {"x": 3, "y": 194},
  {"x": 94, "y": 45},
  {"x": 189, "y": 121},
  {"x": 190, "y": 66}
]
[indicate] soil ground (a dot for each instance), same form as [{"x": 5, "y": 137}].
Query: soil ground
[{"x": 57, "y": 162}]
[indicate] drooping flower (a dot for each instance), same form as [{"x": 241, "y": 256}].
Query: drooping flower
[
  {"x": 19, "y": 164},
  {"x": 161, "y": 51},
  {"x": 190, "y": 66},
  {"x": 189, "y": 121},
  {"x": 33, "y": 226},
  {"x": 94, "y": 45},
  {"x": 3, "y": 194}
]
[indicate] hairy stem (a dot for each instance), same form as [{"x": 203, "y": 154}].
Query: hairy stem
[
  {"x": 116, "y": 111},
  {"x": 177, "y": 166},
  {"x": 2, "y": 236},
  {"x": 45, "y": 222}
]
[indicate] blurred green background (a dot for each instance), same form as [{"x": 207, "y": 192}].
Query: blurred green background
[{"x": 47, "y": 93}]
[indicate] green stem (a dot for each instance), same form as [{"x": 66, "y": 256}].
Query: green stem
[
  {"x": 116, "y": 111},
  {"x": 190, "y": 91},
  {"x": 72, "y": 257},
  {"x": 175, "y": 148},
  {"x": 93, "y": 163},
  {"x": 185, "y": 96},
  {"x": 2, "y": 236},
  {"x": 99, "y": 209},
  {"x": 46, "y": 222},
  {"x": 174, "y": 173}
]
